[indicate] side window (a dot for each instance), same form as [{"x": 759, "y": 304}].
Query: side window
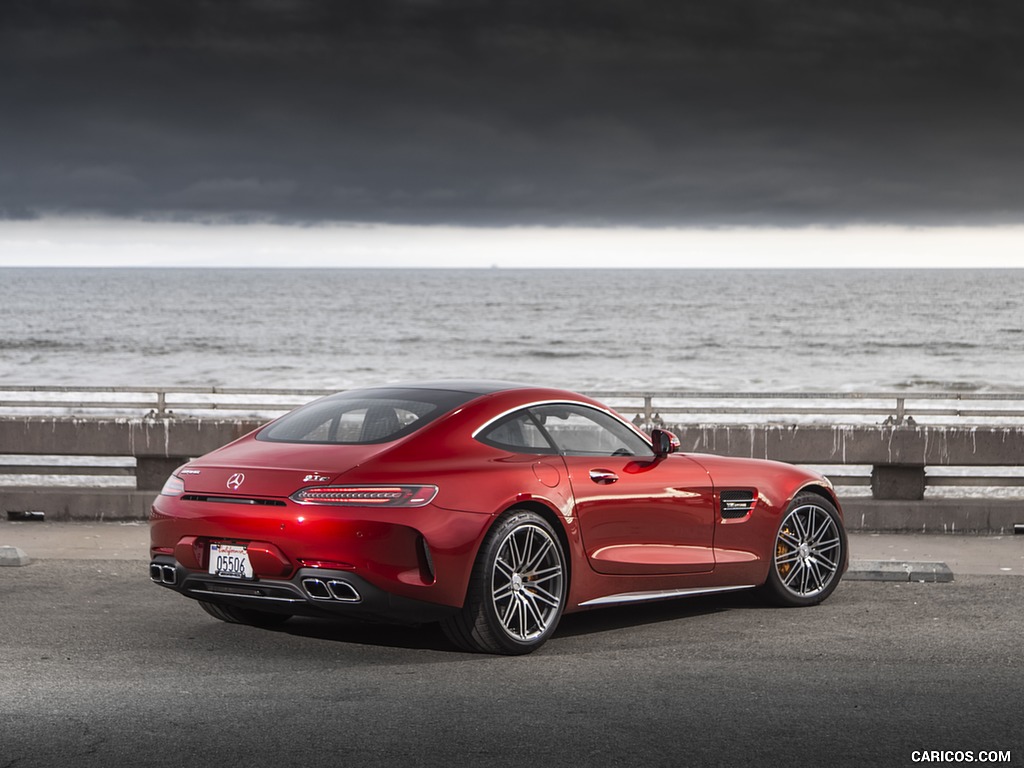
[
  {"x": 517, "y": 432},
  {"x": 581, "y": 431}
]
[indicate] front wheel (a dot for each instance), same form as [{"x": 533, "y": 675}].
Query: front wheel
[
  {"x": 810, "y": 548},
  {"x": 517, "y": 589}
]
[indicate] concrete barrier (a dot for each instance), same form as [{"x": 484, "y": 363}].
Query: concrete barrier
[
  {"x": 899, "y": 455},
  {"x": 159, "y": 446}
]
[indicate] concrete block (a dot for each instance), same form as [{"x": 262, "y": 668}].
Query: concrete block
[
  {"x": 898, "y": 482},
  {"x": 13, "y": 556},
  {"x": 992, "y": 516},
  {"x": 896, "y": 570},
  {"x": 152, "y": 472},
  {"x": 95, "y": 504}
]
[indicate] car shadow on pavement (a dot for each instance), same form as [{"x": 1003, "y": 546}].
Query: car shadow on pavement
[
  {"x": 640, "y": 614},
  {"x": 429, "y": 637}
]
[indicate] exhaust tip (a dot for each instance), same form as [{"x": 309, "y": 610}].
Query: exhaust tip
[
  {"x": 343, "y": 591},
  {"x": 316, "y": 589},
  {"x": 159, "y": 573}
]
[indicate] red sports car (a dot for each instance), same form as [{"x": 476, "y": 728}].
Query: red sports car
[{"x": 492, "y": 508}]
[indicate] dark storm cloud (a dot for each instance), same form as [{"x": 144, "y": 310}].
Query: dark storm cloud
[{"x": 586, "y": 112}]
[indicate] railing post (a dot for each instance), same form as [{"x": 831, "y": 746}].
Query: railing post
[
  {"x": 648, "y": 411},
  {"x": 161, "y": 402}
]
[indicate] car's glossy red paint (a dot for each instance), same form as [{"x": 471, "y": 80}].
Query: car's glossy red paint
[{"x": 631, "y": 527}]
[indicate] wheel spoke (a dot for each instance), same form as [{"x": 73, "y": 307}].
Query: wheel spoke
[
  {"x": 797, "y": 567},
  {"x": 830, "y": 544},
  {"x": 801, "y": 529},
  {"x": 531, "y": 604},
  {"x": 538, "y": 557},
  {"x": 524, "y": 620},
  {"x": 543, "y": 595},
  {"x": 503, "y": 592},
  {"x": 788, "y": 538},
  {"x": 513, "y": 550},
  {"x": 527, "y": 549},
  {"x": 790, "y": 557},
  {"x": 505, "y": 568},
  {"x": 818, "y": 557},
  {"x": 508, "y": 613},
  {"x": 539, "y": 577},
  {"x": 816, "y": 575},
  {"x": 821, "y": 529}
]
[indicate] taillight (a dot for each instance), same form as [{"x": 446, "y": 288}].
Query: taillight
[
  {"x": 367, "y": 495},
  {"x": 174, "y": 486}
]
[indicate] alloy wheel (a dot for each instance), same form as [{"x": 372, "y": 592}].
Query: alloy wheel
[
  {"x": 527, "y": 582},
  {"x": 808, "y": 551}
]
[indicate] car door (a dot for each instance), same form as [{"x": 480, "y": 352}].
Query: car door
[{"x": 638, "y": 513}]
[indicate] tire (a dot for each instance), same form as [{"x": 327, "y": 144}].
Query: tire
[
  {"x": 808, "y": 553},
  {"x": 233, "y": 615},
  {"x": 517, "y": 590}
]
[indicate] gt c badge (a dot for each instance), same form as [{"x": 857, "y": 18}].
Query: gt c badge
[
  {"x": 315, "y": 478},
  {"x": 235, "y": 481}
]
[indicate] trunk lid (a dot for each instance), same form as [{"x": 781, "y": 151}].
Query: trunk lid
[{"x": 254, "y": 468}]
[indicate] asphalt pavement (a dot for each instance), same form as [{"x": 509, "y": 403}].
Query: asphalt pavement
[{"x": 99, "y": 667}]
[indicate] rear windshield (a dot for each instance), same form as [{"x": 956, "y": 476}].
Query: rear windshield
[{"x": 364, "y": 416}]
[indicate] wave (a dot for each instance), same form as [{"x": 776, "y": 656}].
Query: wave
[{"x": 35, "y": 345}]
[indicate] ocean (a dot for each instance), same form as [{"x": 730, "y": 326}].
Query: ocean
[{"x": 708, "y": 330}]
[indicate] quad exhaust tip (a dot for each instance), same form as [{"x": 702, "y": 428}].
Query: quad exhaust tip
[
  {"x": 341, "y": 591},
  {"x": 163, "y": 574}
]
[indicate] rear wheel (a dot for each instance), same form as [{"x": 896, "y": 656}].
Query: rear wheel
[
  {"x": 810, "y": 547},
  {"x": 234, "y": 615},
  {"x": 517, "y": 589}
]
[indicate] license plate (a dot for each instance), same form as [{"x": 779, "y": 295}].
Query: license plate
[{"x": 230, "y": 561}]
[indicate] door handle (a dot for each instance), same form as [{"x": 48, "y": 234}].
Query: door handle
[{"x": 603, "y": 476}]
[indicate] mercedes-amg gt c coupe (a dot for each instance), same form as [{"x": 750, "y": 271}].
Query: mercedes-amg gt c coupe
[{"x": 492, "y": 508}]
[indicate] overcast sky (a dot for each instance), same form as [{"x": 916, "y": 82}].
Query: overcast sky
[{"x": 811, "y": 117}]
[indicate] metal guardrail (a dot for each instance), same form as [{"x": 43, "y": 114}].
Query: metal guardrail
[
  {"x": 651, "y": 407},
  {"x": 154, "y": 401},
  {"x": 892, "y": 406}
]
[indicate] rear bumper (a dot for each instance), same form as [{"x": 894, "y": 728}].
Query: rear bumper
[
  {"x": 423, "y": 555},
  {"x": 309, "y": 592}
]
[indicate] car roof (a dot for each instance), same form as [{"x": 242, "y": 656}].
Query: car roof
[{"x": 469, "y": 386}]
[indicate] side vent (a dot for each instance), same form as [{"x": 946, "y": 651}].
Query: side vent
[{"x": 737, "y": 504}]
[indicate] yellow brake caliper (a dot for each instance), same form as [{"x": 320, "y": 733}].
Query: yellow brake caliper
[{"x": 780, "y": 550}]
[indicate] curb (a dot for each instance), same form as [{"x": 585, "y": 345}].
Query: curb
[{"x": 898, "y": 570}]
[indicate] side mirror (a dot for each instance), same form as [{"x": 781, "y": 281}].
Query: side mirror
[{"x": 664, "y": 442}]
